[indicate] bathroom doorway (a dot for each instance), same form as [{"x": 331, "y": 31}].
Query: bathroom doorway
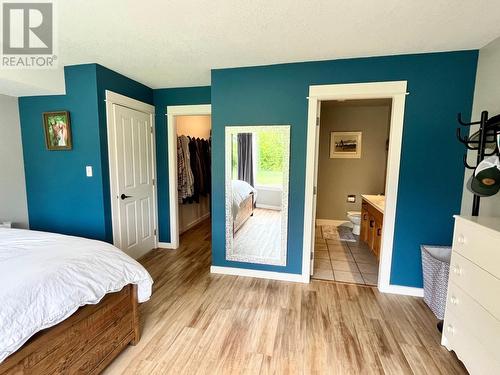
[
  {"x": 352, "y": 165},
  {"x": 396, "y": 92}
]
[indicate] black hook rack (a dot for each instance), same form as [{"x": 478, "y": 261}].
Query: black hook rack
[
  {"x": 459, "y": 118},
  {"x": 488, "y": 128}
]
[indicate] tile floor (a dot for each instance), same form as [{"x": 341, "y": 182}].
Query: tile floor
[{"x": 349, "y": 262}]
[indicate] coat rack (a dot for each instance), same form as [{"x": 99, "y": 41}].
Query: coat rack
[{"x": 488, "y": 127}]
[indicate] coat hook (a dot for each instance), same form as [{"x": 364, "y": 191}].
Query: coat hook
[
  {"x": 467, "y": 164},
  {"x": 459, "y": 118}
]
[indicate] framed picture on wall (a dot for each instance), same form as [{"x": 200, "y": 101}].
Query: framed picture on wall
[
  {"x": 345, "y": 145},
  {"x": 57, "y": 130}
]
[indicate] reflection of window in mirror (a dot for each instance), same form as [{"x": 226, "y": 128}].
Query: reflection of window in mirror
[{"x": 268, "y": 164}]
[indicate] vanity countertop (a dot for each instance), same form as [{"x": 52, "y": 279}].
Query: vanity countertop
[{"x": 377, "y": 201}]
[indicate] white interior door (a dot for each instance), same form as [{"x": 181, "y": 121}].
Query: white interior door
[
  {"x": 315, "y": 189},
  {"x": 134, "y": 190}
]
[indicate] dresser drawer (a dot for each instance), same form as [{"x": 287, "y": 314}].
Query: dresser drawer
[
  {"x": 469, "y": 350},
  {"x": 477, "y": 244},
  {"x": 476, "y": 282},
  {"x": 474, "y": 318}
]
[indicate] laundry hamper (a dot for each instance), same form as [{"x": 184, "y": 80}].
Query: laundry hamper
[{"x": 436, "y": 268}]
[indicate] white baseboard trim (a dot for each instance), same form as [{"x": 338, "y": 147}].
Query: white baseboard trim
[
  {"x": 259, "y": 274},
  {"x": 403, "y": 290},
  {"x": 268, "y": 207},
  {"x": 166, "y": 245},
  {"x": 195, "y": 222},
  {"x": 332, "y": 222}
]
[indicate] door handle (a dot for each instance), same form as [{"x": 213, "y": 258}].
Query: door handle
[{"x": 123, "y": 196}]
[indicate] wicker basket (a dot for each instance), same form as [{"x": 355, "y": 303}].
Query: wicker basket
[{"x": 436, "y": 268}]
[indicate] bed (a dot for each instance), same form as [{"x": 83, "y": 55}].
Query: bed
[
  {"x": 244, "y": 197},
  {"x": 68, "y": 304}
]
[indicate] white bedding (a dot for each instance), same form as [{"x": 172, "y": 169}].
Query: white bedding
[
  {"x": 240, "y": 190},
  {"x": 45, "y": 277}
]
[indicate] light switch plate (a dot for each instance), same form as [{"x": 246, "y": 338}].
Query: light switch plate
[
  {"x": 88, "y": 170},
  {"x": 351, "y": 198}
]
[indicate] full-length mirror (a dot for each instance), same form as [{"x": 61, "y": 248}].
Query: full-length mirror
[{"x": 257, "y": 169}]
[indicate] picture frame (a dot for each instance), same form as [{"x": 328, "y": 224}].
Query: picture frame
[
  {"x": 57, "y": 129},
  {"x": 345, "y": 145}
]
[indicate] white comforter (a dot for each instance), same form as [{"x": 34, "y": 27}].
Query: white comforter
[
  {"x": 240, "y": 190},
  {"x": 45, "y": 277}
]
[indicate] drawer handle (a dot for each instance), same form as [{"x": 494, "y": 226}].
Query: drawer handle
[
  {"x": 454, "y": 300},
  {"x": 457, "y": 270},
  {"x": 450, "y": 329},
  {"x": 461, "y": 239}
]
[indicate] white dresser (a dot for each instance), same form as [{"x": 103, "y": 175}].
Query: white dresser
[{"x": 472, "y": 318}]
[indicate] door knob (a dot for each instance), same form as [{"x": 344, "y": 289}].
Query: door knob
[{"x": 123, "y": 196}]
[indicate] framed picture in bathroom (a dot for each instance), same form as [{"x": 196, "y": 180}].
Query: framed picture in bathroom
[{"x": 345, "y": 145}]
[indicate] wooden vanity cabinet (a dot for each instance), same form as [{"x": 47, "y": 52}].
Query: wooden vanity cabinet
[
  {"x": 365, "y": 216},
  {"x": 377, "y": 241},
  {"x": 371, "y": 227}
]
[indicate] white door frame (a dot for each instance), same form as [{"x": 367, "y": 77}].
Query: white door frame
[
  {"x": 113, "y": 98},
  {"x": 395, "y": 90},
  {"x": 172, "y": 111}
]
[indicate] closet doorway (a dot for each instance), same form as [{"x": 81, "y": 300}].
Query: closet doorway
[{"x": 189, "y": 156}]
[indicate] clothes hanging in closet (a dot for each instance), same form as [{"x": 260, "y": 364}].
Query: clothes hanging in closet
[
  {"x": 184, "y": 173},
  {"x": 193, "y": 167}
]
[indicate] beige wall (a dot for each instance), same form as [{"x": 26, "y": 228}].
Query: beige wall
[
  {"x": 194, "y": 126},
  {"x": 338, "y": 178},
  {"x": 198, "y": 127},
  {"x": 13, "y": 205},
  {"x": 486, "y": 98}
]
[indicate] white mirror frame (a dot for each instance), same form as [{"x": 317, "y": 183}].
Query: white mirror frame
[{"x": 230, "y": 254}]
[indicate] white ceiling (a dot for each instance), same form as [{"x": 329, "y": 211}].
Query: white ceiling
[{"x": 175, "y": 43}]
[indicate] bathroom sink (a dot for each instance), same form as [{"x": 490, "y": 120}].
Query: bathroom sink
[{"x": 377, "y": 201}]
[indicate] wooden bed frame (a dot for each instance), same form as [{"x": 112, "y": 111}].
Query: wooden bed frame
[
  {"x": 245, "y": 211},
  {"x": 85, "y": 343}
]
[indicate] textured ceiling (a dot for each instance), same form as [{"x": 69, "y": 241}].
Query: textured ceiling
[{"x": 175, "y": 43}]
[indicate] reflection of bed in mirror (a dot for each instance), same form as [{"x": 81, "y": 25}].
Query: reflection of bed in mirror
[{"x": 243, "y": 203}]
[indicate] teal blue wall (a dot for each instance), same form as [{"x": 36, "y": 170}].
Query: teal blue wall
[
  {"x": 162, "y": 99},
  {"x": 431, "y": 170},
  {"x": 60, "y": 197}
]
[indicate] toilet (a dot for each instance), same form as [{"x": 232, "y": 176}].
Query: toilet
[{"x": 355, "y": 218}]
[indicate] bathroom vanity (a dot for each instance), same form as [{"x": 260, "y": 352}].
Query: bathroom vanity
[{"x": 372, "y": 217}]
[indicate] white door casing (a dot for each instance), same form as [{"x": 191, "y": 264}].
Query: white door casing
[
  {"x": 132, "y": 174},
  {"x": 395, "y": 90},
  {"x": 317, "y": 103},
  {"x": 172, "y": 112}
]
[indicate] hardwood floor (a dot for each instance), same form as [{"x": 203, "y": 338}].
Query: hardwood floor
[{"x": 198, "y": 323}]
